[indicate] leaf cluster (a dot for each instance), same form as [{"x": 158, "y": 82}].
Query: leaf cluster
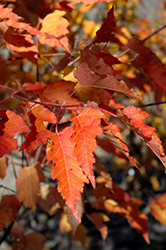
[{"x": 70, "y": 86}]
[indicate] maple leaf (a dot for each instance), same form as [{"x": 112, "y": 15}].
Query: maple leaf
[
  {"x": 27, "y": 185},
  {"x": 55, "y": 35},
  {"x": 10, "y": 123},
  {"x": 66, "y": 168},
  {"x": 148, "y": 64},
  {"x": 133, "y": 117},
  {"x": 38, "y": 133},
  {"x": 86, "y": 128},
  {"x": 158, "y": 209}
]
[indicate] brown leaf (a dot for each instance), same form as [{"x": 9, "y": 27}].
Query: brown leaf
[
  {"x": 27, "y": 185},
  {"x": 49, "y": 199},
  {"x": 98, "y": 219}
]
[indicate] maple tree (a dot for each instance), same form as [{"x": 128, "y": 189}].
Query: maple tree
[{"x": 66, "y": 95}]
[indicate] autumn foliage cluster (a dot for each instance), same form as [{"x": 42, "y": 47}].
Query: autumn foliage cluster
[{"x": 68, "y": 86}]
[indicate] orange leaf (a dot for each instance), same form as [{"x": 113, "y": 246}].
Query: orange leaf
[
  {"x": 55, "y": 35},
  {"x": 24, "y": 26},
  {"x": 66, "y": 168},
  {"x": 98, "y": 219},
  {"x": 3, "y": 166},
  {"x": 7, "y": 13},
  {"x": 118, "y": 201},
  {"x": 35, "y": 137},
  {"x": 37, "y": 86},
  {"x": 59, "y": 91},
  {"x": 158, "y": 209},
  {"x": 86, "y": 127},
  {"x": 134, "y": 117},
  {"x": 10, "y": 123},
  {"x": 27, "y": 185},
  {"x": 113, "y": 134}
]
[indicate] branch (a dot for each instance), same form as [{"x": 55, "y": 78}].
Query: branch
[
  {"x": 151, "y": 104},
  {"x": 7, "y": 232},
  {"x": 145, "y": 39}
]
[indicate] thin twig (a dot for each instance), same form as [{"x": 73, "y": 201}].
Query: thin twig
[
  {"x": 7, "y": 232},
  {"x": 14, "y": 171},
  {"x": 145, "y": 39},
  {"x": 9, "y": 189},
  {"x": 151, "y": 104},
  {"x": 154, "y": 33}
]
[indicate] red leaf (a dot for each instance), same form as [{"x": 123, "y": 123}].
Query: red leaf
[
  {"x": 59, "y": 92},
  {"x": 148, "y": 64},
  {"x": 27, "y": 185},
  {"x": 113, "y": 134},
  {"x": 21, "y": 43},
  {"x": 108, "y": 58},
  {"x": 105, "y": 33},
  {"x": 35, "y": 88},
  {"x": 35, "y": 137},
  {"x": 94, "y": 72},
  {"x": 10, "y": 123},
  {"x": 86, "y": 128},
  {"x": 8, "y": 210},
  {"x": 66, "y": 168},
  {"x": 134, "y": 117},
  {"x": 118, "y": 201}
]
